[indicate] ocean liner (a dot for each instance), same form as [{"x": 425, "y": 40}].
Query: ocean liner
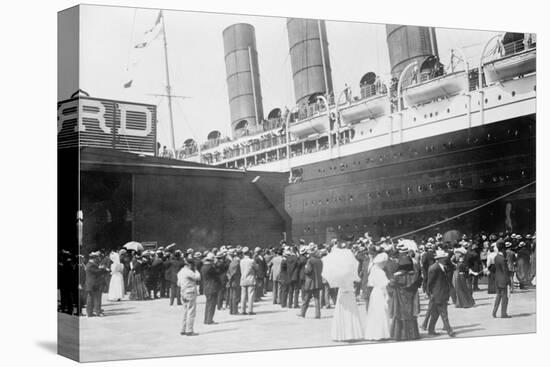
[{"x": 435, "y": 148}]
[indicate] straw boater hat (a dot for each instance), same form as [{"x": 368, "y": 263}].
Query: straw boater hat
[
  {"x": 197, "y": 255},
  {"x": 209, "y": 257},
  {"x": 440, "y": 254}
]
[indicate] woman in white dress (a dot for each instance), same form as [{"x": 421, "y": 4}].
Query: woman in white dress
[
  {"x": 340, "y": 271},
  {"x": 378, "y": 320},
  {"x": 116, "y": 285}
]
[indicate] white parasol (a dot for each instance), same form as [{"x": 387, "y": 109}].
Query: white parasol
[
  {"x": 340, "y": 268},
  {"x": 133, "y": 245}
]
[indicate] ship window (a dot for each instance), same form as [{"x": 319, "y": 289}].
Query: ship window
[
  {"x": 513, "y": 93},
  {"x": 414, "y": 119},
  {"x": 486, "y": 101},
  {"x": 499, "y": 97},
  {"x": 425, "y": 116},
  {"x": 431, "y": 114},
  {"x": 370, "y": 131},
  {"x": 448, "y": 110},
  {"x": 535, "y": 88},
  {"x": 436, "y": 113}
]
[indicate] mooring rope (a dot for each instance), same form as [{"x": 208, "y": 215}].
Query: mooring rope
[{"x": 466, "y": 212}]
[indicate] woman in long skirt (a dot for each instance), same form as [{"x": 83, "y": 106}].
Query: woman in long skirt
[
  {"x": 138, "y": 290},
  {"x": 116, "y": 285},
  {"x": 340, "y": 270},
  {"x": 464, "y": 298},
  {"x": 378, "y": 320},
  {"x": 403, "y": 287}
]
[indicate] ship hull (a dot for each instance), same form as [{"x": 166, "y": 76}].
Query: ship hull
[{"x": 406, "y": 187}]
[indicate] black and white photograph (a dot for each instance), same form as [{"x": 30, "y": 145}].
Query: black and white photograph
[{"x": 237, "y": 183}]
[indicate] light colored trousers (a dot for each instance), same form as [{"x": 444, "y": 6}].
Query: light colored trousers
[
  {"x": 247, "y": 294},
  {"x": 189, "y": 312}
]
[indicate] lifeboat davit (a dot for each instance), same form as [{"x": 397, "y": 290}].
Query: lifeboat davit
[
  {"x": 432, "y": 89},
  {"x": 511, "y": 66}
]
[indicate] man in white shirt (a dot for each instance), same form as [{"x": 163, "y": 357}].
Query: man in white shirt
[
  {"x": 188, "y": 279},
  {"x": 248, "y": 281}
]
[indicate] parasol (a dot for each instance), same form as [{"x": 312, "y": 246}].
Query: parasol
[
  {"x": 340, "y": 268},
  {"x": 133, "y": 245}
]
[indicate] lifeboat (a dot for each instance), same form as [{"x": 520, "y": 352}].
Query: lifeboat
[
  {"x": 316, "y": 124},
  {"x": 369, "y": 108},
  {"x": 374, "y": 101},
  {"x": 511, "y": 66},
  {"x": 432, "y": 89}
]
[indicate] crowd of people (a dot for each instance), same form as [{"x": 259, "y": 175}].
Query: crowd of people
[{"x": 387, "y": 275}]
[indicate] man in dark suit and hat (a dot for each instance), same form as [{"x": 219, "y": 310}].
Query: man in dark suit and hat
[
  {"x": 210, "y": 273},
  {"x": 502, "y": 282},
  {"x": 292, "y": 269},
  {"x": 175, "y": 264},
  {"x": 234, "y": 280},
  {"x": 313, "y": 282},
  {"x": 94, "y": 285},
  {"x": 438, "y": 289}
]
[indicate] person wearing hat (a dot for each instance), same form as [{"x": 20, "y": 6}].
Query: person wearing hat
[
  {"x": 188, "y": 279},
  {"x": 174, "y": 265},
  {"x": 260, "y": 274},
  {"x": 502, "y": 282},
  {"x": 313, "y": 282},
  {"x": 510, "y": 256},
  {"x": 284, "y": 278},
  {"x": 472, "y": 259},
  {"x": 248, "y": 282},
  {"x": 523, "y": 271},
  {"x": 234, "y": 281},
  {"x": 210, "y": 275},
  {"x": 365, "y": 266},
  {"x": 464, "y": 297},
  {"x": 426, "y": 260},
  {"x": 302, "y": 260},
  {"x": 275, "y": 265},
  {"x": 404, "y": 284},
  {"x": 94, "y": 285},
  {"x": 438, "y": 290},
  {"x": 293, "y": 272},
  {"x": 223, "y": 264},
  {"x": 378, "y": 318},
  {"x": 155, "y": 274},
  {"x": 197, "y": 259}
]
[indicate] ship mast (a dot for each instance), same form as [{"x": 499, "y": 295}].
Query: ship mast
[{"x": 168, "y": 86}]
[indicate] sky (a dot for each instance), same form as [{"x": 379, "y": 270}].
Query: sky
[{"x": 108, "y": 59}]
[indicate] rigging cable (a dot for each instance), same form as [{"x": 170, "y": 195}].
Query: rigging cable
[{"x": 466, "y": 212}]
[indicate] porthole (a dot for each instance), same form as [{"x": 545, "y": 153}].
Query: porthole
[
  {"x": 448, "y": 110},
  {"x": 486, "y": 101},
  {"x": 425, "y": 116},
  {"x": 414, "y": 119},
  {"x": 499, "y": 97},
  {"x": 535, "y": 88},
  {"x": 436, "y": 113},
  {"x": 431, "y": 114},
  {"x": 370, "y": 131},
  {"x": 513, "y": 93}
]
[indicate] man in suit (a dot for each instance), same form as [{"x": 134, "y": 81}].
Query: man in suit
[
  {"x": 155, "y": 273},
  {"x": 302, "y": 260},
  {"x": 175, "y": 265},
  {"x": 260, "y": 274},
  {"x": 275, "y": 272},
  {"x": 438, "y": 289},
  {"x": 234, "y": 279},
  {"x": 427, "y": 260},
  {"x": 284, "y": 279},
  {"x": 473, "y": 261},
  {"x": 248, "y": 281},
  {"x": 313, "y": 282},
  {"x": 365, "y": 258},
  {"x": 210, "y": 273},
  {"x": 292, "y": 269},
  {"x": 94, "y": 285},
  {"x": 502, "y": 282}
]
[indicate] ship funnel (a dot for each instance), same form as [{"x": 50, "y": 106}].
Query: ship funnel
[
  {"x": 407, "y": 44},
  {"x": 307, "y": 39},
  {"x": 243, "y": 79}
]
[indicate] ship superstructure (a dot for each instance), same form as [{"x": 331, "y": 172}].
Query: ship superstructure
[{"x": 399, "y": 154}]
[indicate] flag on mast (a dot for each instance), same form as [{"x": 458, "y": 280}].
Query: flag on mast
[{"x": 147, "y": 38}]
